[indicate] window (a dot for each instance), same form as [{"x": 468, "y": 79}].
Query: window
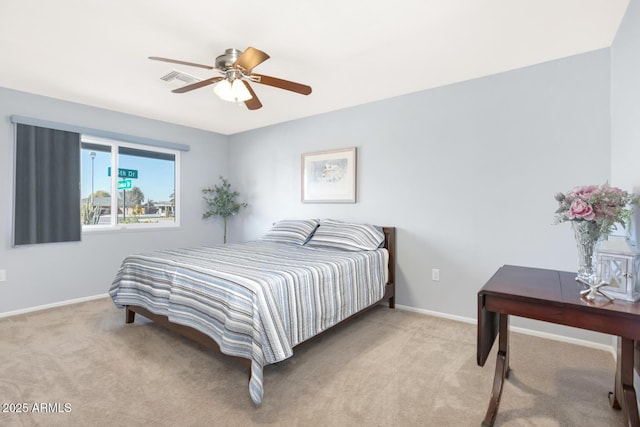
[
  {"x": 51, "y": 159},
  {"x": 142, "y": 193}
]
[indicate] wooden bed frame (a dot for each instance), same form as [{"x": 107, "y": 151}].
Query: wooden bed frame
[{"x": 208, "y": 342}]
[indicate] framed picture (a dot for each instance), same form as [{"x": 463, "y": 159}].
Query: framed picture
[{"x": 329, "y": 176}]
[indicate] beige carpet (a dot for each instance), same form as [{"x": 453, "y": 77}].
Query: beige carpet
[{"x": 386, "y": 368}]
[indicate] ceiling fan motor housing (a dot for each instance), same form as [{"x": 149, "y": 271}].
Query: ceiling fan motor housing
[{"x": 225, "y": 61}]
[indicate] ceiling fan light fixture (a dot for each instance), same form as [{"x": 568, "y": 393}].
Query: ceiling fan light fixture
[{"x": 234, "y": 91}]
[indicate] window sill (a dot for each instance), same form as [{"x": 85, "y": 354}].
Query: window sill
[{"x": 129, "y": 228}]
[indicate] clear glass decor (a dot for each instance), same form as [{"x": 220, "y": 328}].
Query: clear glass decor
[{"x": 587, "y": 234}]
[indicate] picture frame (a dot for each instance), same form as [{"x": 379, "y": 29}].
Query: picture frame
[{"x": 329, "y": 176}]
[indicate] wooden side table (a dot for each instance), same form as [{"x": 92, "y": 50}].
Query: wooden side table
[{"x": 553, "y": 296}]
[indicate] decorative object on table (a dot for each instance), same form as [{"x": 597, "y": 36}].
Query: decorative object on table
[
  {"x": 618, "y": 263},
  {"x": 593, "y": 289},
  {"x": 221, "y": 201},
  {"x": 594, "y": 211},
  {"x": 329, "y": 176}
]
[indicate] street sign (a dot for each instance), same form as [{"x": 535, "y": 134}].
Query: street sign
[
  {"x": 125, "y": 173},
  {"x": 124, "y": 184}
]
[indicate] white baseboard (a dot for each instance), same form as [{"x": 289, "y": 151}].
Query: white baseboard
[
  {"x": 55, "y": 304},
  {"x": 610, "y": 348}
]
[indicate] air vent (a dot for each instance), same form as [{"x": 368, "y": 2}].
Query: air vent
[{"x": 179, "y": 75}]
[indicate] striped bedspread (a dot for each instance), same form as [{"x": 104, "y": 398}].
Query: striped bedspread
[{"x": 258, "y": 299}]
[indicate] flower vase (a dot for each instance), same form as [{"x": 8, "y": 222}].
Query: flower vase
[{"x": 587, "y": 234}]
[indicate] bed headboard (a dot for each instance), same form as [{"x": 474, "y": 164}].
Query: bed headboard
[{"x": 390, "y": 245}]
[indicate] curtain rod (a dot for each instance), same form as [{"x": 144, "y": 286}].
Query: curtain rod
[{"x": 97, "y": 132}]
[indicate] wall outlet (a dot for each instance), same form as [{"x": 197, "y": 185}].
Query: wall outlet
[
  {"x": 3, "y": 275},
  {"x": 435, "y": 274}
]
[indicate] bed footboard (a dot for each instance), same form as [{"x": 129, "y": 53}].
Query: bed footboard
[{"x": 130, "y": 314}]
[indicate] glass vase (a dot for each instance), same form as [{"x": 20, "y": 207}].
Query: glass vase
[{"x": 587, "y": 235}]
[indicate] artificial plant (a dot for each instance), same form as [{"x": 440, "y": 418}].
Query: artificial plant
[{"x": 221, "y": 201}]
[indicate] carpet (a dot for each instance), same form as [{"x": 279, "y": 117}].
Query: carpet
[{"x": 81, "y": 365}]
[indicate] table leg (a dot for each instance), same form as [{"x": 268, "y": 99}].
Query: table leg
[
  {"x": 502, "y": 371},
  {"x": 624, "y": 392},
  {"x": 617, "y": 389}
]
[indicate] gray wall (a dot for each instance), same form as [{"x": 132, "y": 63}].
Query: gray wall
[
  {"x": 46, "y": 274},
  {"x": 625, "y": 105},
  {"x": 466, "y": 172}
]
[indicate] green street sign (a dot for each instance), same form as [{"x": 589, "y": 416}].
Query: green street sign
[
  {"x": 124, "y": 173},
  {"x": 122, "y": 185}
]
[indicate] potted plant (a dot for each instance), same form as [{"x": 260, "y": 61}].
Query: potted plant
[{"x": 221, "y": 201}]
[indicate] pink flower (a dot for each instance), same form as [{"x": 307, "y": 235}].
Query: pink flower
[
  {"x": 585, "y": 192},
  {"x": 615, "y": 191},
  {"x": 580, "y": 209},
  {"x": 603, "y": 205}
]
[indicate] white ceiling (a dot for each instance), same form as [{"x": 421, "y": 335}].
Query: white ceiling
[{"x": 350, "y": 52}]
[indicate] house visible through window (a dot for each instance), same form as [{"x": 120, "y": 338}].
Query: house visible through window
[{"x": 123, "y": 183}]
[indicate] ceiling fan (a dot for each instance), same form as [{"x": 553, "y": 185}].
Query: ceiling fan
[{"x": 236, "y": 69}]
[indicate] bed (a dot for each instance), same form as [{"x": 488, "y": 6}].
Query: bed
[{"x": 258, "y": 300}]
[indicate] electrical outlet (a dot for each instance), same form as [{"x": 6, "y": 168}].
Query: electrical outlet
[
  {"x": 3, "y": 275},
  {"x": 435, "y": 274}
]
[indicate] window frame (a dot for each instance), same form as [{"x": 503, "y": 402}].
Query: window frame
[{"x": 114, "y": 225}]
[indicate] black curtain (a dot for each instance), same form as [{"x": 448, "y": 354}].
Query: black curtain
[{"x": 47, "y": 186}]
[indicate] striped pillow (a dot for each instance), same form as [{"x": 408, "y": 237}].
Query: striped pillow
[
  {"x": 295, "y": 231},
  {"x": 346, "y": 236}
]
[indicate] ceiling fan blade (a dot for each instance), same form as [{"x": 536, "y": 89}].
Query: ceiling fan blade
[
  {"x": 253, "y": 103},
  {"x": 282, "y": 84},
  {"x": 249, "y": 59},
  {"x": 197, "y": 85},
  {"x": 175, "y": 61}
]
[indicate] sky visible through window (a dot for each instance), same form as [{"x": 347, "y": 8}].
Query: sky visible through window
[{"x": 155, "y": 176}]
